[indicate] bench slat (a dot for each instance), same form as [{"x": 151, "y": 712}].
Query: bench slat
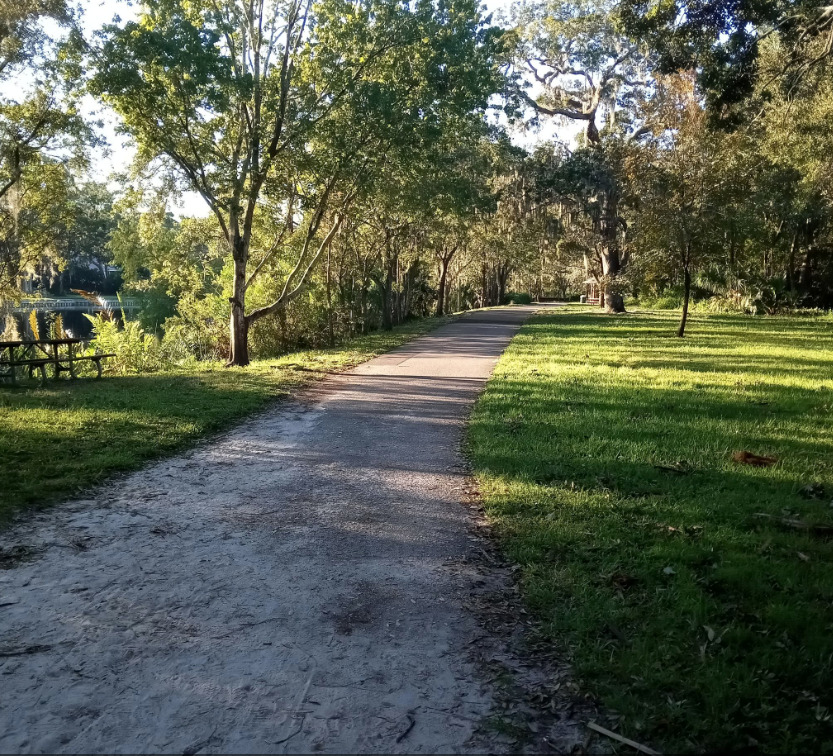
[{"x": 44, "y": 361}]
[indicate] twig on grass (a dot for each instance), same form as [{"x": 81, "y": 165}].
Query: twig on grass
[
  {"x": 621, "y": 739},
  {"x": 796, "y": 524}
]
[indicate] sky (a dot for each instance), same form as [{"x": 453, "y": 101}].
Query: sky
[{"x": 116, "y": 157}]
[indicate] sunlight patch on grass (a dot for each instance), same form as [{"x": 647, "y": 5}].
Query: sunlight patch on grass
[{"x": 603, "y": 447}]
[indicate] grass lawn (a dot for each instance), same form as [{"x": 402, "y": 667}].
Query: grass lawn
[
  {"x": 58, "y": 440},
  {"x": 693, "y": 593}
]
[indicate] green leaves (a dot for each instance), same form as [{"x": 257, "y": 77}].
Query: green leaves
[
  {"x": 721, "y": 40},
  {"x": 573, "y": 61},
  {"x": 42, "y": 139},
  {"x": 22, "y": 36},
  {"x": 281, "y": 114},
  {"x": 321, "y": 84}
]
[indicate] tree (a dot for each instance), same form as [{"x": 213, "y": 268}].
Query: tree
[
  {"x": 42, "y": 137},
  {"x": 721, "y": 39},
  {"x": 794, "y": 135},
  {"x": 84, "y": 242},
  {"x": 34, "y": 213},
  {"x": 249, "y": 100},
  {"x": 689, "y": 179},
  {"x": 462, "y": 191},
  {"x": 581, "y": 65},
  {"x": 592, "y": 180},
  {"x": 584, "y": 66}
]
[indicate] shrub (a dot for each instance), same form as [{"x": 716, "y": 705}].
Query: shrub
[
  {"x": 199, "y": 328},
  {"x": 135, "y": 350},
  {"x": 663, "y": 302},
  {"x": 518, "y": 298}
]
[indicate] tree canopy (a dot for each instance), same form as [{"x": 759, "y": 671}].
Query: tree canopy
[{"x": 357, "y": 170}]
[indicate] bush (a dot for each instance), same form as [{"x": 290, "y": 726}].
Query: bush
[
  {"x": 663, "y": 302},
  {"x": 199, "y": 329},
  {"x": 518, "y": 298},
  {"x": 135, "y": 350}
]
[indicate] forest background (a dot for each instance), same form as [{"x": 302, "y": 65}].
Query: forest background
[{"x": 362, "y": 164}]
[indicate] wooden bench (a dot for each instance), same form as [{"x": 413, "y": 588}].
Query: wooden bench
[{"x": 38, "y": 354}]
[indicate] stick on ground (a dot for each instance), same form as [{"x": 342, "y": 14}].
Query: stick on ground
[{"x": 627, "y": 741}]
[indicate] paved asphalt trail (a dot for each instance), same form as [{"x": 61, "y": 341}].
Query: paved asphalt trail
[{"x": 295, "y": 585}]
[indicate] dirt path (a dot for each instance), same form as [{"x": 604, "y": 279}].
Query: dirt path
[{"x": 296, "y": 585}]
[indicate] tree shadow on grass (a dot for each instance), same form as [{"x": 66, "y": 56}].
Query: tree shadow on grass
[
  {"x": 56, "y": 440},
  {"x": 618, "y": 495}
]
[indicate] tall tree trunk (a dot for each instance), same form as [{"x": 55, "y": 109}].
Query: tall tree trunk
[
  {"x": 441, "y": 289},
  {"x": 283, "y": 330},
  {"x": 484, "y": 283},
  {"x": 501, "y": 279},
  {"x": 330, "y": 333},
  {"x": 387, "y": 323},
  {"x": 686, "y": 298},
  {"x": 398, "y": 288},
  {"x": 405, "y": 298},
  {"x": 363, "y": 306},
  {"x": 791, "y": 263},
  {"x": 806, "y": 274},
  {"x": 387, "y": 297},
  {"x": 410, "y": 277},
  {"x": 614, "y": 301},
  {"x": 239, "y": 329}
]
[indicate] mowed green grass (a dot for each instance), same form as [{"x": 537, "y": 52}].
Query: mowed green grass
[
  {"x": 58, "y": 440},
  {"x": 603, "y": 447}
]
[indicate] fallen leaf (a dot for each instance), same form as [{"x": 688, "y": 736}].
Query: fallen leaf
[
  {"x": 756, "y": 460},
  {"x": 622, "y": 580}
]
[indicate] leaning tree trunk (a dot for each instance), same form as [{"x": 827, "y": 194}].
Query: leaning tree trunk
[
  {"x": 686, "y": 298},
  {"x": 441, "y": 288},
  {"x": 387, "y": 297}
]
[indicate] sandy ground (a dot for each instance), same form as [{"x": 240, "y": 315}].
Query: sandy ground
[{"x": 295, "y": 585}]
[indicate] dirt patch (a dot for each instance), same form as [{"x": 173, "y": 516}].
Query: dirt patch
[
  {"x": 538, "y": 707},
  {"x": 14, "y": 555}
]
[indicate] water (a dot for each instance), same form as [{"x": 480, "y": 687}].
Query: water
[{"x": 76, "y": 325}]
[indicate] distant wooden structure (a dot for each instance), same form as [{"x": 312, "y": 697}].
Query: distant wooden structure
[{"x": 594, "y": 294}]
